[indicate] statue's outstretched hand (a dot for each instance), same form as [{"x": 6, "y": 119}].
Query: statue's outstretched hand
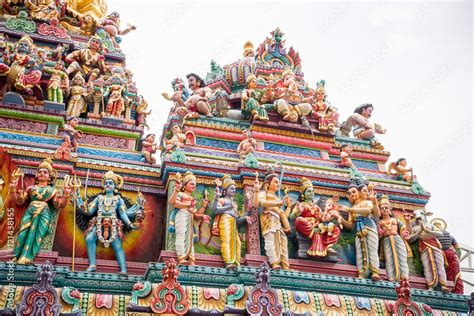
[{"x": 133, "y": 227}]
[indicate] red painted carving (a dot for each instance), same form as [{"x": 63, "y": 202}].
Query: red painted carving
[
  {"x": 404, "y": 305},
  {"x": 169, "y": 297},
  {"x": 53, "y": 29},
  {"x": 104, "y": 141},
  {"x": 21, "y": 125}
]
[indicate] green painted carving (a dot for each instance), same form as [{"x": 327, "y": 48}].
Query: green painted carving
[
  {"x": 194, "y": 297},
  {"x": 417, "y": 188},
  {"x": 47, "y": 243},
  {"x": 234, "y": 292},
  {"x": 108, "y": 132},
  {"x": 140, "y": 290},
  {"x": 21, "y": 23},
  {"x": 170, "y": 238},
  {"x": 250, "y": 161},
  {"x": 72, "y": 296},
  {"x": 200, "y": 276},
  {"x": 178, "y": 156},
  {"x": 216, "y": 72},
  {"x": 105, "y": 39},
  {"x": 32, "y": 116},
  {"x": 286, "y": 302}
]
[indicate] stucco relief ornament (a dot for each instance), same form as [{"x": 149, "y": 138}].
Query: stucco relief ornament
[
  {"x": 262, "y": 299},
  {"x": 169, "y": 297}
]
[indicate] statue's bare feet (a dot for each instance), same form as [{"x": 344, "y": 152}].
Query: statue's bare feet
[
  {"x": 91, "y": 268},
  {"x": 332, "y": 252}
]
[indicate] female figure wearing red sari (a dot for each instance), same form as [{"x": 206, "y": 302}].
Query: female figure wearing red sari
[{"x": 308, "y": 216}]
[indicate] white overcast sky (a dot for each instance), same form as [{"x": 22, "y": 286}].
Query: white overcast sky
[{"x": 412, "y": 60}]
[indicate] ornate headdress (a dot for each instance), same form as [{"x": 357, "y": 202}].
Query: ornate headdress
[
  {"x": 27, "y": 39},
  {"x": 79, "y": 76},
  {"x": 227, "y": 181},
  {"x": 270, "y": 174},
  {"x": 250, "y": 78},
  {"x": 189, "y": 176},
  {"x": 48, "y": 165},
  {"x": 115, "y": 177},
  {"x": 320, "y": 85},
  {"x": 304, "y": 184},
  {"x": 384, "y": 200}
]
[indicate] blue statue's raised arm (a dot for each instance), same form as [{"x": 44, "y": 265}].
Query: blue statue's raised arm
[{"x": 88, "y": 209}]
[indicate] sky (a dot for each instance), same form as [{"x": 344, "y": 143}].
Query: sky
[{"x": 411, "y": 60}]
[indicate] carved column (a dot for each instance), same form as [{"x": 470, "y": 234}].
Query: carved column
[{"x": 253, "y": 233}]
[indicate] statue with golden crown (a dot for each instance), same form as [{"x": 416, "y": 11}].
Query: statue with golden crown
[
  {"x": 43, "y": 199},
  {"x": 110, "y": 215},
  {"x": 326, "y": 115},
  {"x": 274, "y": 220},
  {"x": 393, "y": 234},
  {"x": 227, "y": 221},
  {"x": 184, "y": 214}
]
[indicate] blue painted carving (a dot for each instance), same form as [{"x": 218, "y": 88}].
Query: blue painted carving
[
  {"x": 360, "y": 164},
  {"x": 292, "y": 150},
  {"x": 201, "y": 141},
  {"x": 30, "y": 139},
  {"x": 111, "y": 154}
]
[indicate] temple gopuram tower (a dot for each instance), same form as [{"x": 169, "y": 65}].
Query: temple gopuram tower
[{"x": 258, "y": 199}]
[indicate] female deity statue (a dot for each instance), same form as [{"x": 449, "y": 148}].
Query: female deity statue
[
  {"x": 116, "y": 91},
  {"x": 42, "y": 199},
  {"x": 110, "y": 215},
  {"x": 362, "y": 214},
  {"x": 274, "y": 220},
  {"x": 251, "y": 100},
  {"x": 178, "y": 139},
  {"x": 227, "y": 221},
  {"x": 326, "y": 115},
  {"x": 431, "y": 251},
  {"x": 393, "y": 235},
  {"x": 183, "y": 216},
  {"x": 77, "y": 104},
  {"x": 308, "y": 217}
]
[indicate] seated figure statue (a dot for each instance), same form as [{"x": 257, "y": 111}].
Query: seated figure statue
[{"x": 363, "y": 129}]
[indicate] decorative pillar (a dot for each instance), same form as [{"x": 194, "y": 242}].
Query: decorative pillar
[{"x": 253, "y": 233}]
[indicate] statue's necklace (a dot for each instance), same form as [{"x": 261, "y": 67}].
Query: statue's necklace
[{"x": 107, "y": 205}]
